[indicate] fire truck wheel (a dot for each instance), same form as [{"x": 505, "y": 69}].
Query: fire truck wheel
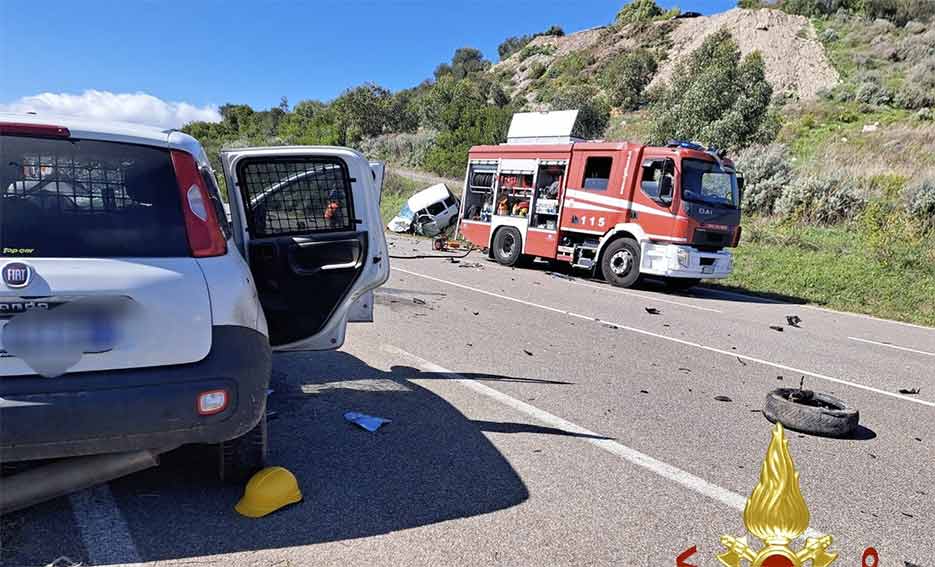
[
  {"x": 508, "y": 246},
  {"x": 621, "y": 262},
  {"x": 679, "y": 284}
]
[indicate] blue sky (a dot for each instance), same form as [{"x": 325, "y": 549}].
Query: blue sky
[{"x": 209, "y": 52}]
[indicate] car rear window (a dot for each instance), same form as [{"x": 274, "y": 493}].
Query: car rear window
[{"x": 88, "y": 198}]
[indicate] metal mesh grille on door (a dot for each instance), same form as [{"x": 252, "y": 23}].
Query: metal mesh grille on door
[{"x": 295, "y": 196}]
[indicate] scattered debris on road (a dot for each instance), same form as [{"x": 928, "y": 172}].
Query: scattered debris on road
[
  {"x": 476, "y": 265},
  {"x": 910, "y": 391},
  {"x": 476, "y": 313},
  {"x": 418, "y": 301},
  {"x": 778, "y": 377},
  {"x": 652, "y": 310},
  {"x": 740, "y": 360},
  {"x": 644, "y": 391},
  {"x": 685, "y": 370},
  {"x": 793, "y": 320},
  {"x": 368, "y": 422},
  {"x": 527, "y": 352},
  {"x": 611, "y": 326},
  {"x": 723, "y": 399},
  {"x": 454, "y": 261},
  {"x": 777, "y": 328}
]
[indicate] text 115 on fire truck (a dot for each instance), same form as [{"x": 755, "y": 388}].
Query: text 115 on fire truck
[{"x": 619, "y": 208}]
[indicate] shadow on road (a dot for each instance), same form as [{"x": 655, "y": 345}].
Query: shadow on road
[{"x": 431, "y": 464}]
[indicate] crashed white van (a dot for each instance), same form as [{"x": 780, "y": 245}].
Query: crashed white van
[{"x": 428, "y": 212}]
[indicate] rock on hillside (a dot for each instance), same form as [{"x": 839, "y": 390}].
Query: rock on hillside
[{"x": 796, "y": 62}]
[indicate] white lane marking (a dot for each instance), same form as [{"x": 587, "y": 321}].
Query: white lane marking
[
  {"x": 663, "y": 469},
  {"x": 102, "y": 527},
  {"x": 732, "y": 354},
  {"x": 646, "y": 297},
  {"x": 758, "y": 299},
  {"x": 892, "y": 346},
  {"x": 870, "y": 317}
]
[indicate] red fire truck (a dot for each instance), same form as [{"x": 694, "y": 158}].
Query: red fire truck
[{"x": 619, "y": 209}]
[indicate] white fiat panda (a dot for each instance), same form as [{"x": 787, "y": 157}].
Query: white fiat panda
[{"x": 135, "y": 316}]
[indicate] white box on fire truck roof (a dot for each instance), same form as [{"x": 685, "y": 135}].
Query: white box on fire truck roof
[{"x": 554, "y": 127}]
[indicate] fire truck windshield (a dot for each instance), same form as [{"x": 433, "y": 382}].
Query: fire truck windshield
[{"x": 705, "y": 182}]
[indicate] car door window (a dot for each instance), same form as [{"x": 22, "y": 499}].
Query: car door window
[
  {"x": 295, "y": 196},
  {"x": 436, "y": 208}
]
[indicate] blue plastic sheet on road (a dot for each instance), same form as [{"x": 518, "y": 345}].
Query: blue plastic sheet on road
[{"x": 368, "y": 422}]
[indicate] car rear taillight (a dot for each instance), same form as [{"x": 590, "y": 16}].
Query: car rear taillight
[
  {"x": 34, "y": 130},
  {"x": 201, "y": 223}
]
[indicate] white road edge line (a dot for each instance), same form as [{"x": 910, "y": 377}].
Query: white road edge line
[
  {"x": 891, "y": 346},
  {"x": 646, "y": 297},
  {"x": 103, "y": 529},
  {"x": 663, "y": 469},
  {"x": 732, "y": 354},
  {"x": 758, "y": 299}
]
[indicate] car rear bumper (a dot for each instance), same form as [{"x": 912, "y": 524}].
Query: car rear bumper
[
  {"x": 146, "y": 408},
  {"x": 678, "y": 261}
]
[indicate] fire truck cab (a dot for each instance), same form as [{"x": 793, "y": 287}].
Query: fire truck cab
[{"x": 619, "y": 209}]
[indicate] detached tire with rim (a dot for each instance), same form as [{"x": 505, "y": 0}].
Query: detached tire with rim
[
  {"x": 811, "y": 412},
  {"x": 621, "y": 262},
  {"x": 508, "y": 246},
  {"x": 242, "y": 456}
]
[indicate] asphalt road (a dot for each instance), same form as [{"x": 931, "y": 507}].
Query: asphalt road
[{"x": 539, "y": 420}]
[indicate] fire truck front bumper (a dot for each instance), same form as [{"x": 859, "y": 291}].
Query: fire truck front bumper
[{"x": 676, "y": 261}]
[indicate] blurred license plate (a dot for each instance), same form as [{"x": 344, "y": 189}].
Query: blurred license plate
[{"x": 707, "y": 269}]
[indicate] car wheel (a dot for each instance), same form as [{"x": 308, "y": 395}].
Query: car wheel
[
  {"x": 508, "y": 246},
  {"x": 679, "y": 284},
  {"x": 811, "y": 412},
  {"x": 620, "y": 263},
  {"x": 241, "y": 457}
]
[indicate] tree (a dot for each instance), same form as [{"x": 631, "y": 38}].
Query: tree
[
  {"x": 593, "y": 109},
  {"x": 361, "y": 112},
  {"x": 639, "y": 11},
  {"x": 467, "y": 62},
  {"x": 715, "y": 98},
  {"x": 626, "y": 76}
]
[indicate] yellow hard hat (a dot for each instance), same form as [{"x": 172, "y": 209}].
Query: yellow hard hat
[{"x": 267, "y": 491}]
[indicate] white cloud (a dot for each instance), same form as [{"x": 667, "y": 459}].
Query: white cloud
[{"x": 136, "y": 107}]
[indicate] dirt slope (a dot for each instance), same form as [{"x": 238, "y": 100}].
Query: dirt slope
[{"x": 795, "y": 60}]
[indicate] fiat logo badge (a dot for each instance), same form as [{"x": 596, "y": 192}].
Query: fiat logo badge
[{"x": 16, "y": 274}]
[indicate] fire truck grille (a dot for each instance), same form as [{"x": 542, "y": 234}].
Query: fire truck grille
[{"x": 709, "y": 238}]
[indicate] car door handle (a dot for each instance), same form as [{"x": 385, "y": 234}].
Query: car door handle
[{"x": 308, "y": 268}]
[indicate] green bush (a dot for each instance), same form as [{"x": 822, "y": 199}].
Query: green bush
[
  {"x": 767, "y": 172},
  {"x": 626, "y": 76},
  {"x": 593, "y": 109},
  {"x": 921, "y": 200},
  {"x": 899, "y": 12},
  {"x": 639, "y": 11},
  {"x": 531, "y": 50},
  {"x": 821, "y": 200},
  {"x": 716, "y": 98}
]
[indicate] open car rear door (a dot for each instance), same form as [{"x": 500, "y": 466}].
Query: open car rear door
[{"x": 307, "y": 220}]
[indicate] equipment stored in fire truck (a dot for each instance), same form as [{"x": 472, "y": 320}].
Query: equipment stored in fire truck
[{"x": 621, "y": 210}]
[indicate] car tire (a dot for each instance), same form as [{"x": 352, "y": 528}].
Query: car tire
[
  {"x": 815, "y": 413},
  {"x": 681, "y": 284},
  {"x": 241, "y": 457},
  {"x": 620, "y": 263},
  {"x": 508, "y": 246}
]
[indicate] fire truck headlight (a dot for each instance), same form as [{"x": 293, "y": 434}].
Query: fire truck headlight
[{"x": 684, "y": 258}]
